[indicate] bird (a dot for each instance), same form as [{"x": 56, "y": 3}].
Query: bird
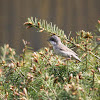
[{"x": 61, "y": 49}]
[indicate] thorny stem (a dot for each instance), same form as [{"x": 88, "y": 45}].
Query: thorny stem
[
  {"x": 93, "y": 81},
  {"x": 24, "y": 53},
  {"x": 34, "y": 89},
  {"x": 23, "y": 57},
  {"x": 95, "y": 47},
  {"x": 86, "y": 52},
  {"x": 95, "y": 55},
  {"x": 67, "y": 68},
  {"x": 52, "y": 91},
  {"x": 19, "y": 71},
  {"x": 4, "y": 54}
]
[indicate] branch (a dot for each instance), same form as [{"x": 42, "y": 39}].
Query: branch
[{"x": 43, "y": 26}]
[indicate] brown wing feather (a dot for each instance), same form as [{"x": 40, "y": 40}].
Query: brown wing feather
[{"x": 64, "y": 48}]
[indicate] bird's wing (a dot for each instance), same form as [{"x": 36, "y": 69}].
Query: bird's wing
[{"x": 64, "y": 48}]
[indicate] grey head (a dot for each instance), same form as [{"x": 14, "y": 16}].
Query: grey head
[{"x": 54, "y": 40}]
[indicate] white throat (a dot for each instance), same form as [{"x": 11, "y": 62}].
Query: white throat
[{"x": 53, "y": 43}]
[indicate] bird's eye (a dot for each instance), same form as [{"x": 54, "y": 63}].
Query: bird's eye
[{"x": 52, "y": 39}]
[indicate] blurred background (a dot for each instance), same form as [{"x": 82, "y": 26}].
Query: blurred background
[{"x": 69, "y": 15}]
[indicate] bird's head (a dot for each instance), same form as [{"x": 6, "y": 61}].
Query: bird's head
[{"x": 54, "y": 40}]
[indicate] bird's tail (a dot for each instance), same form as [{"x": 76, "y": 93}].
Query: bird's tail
[{"x": 76, "y": 57}]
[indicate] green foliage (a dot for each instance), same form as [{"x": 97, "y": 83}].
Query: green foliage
[{"x": 42, "y": 75}]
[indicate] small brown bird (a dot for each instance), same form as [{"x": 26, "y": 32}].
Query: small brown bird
[{"x": 61, "y": 49}]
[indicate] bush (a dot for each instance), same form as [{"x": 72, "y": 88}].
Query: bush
[{"x": 42, "y": 75}]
